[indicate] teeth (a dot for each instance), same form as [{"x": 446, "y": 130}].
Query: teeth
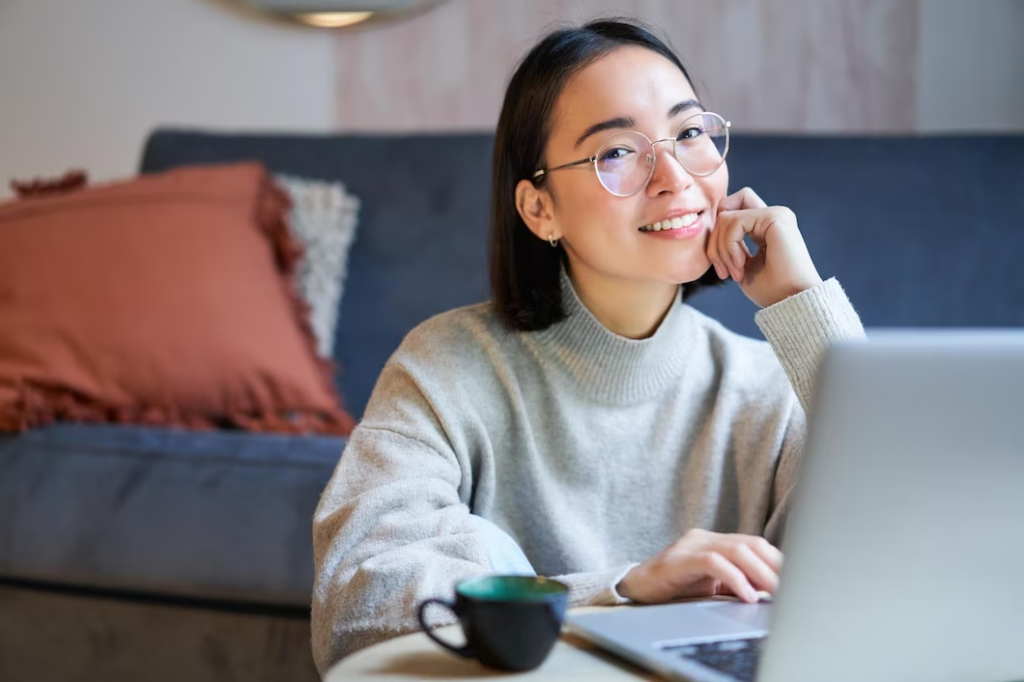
[{"x": 672, "y": 223}]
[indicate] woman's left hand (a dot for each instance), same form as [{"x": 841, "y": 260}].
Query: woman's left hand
[{"x": 782, "y": 266}]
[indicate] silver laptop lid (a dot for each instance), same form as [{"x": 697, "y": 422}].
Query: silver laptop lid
[{"x": 905, "y": 546}]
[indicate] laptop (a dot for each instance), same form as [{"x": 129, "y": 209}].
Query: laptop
[{"x": 905, "y": 544}]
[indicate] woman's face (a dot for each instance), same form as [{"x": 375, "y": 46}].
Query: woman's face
[{"x": 601, "y": 232}]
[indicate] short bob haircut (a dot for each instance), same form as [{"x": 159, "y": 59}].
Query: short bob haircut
[{"x": 525, "y": 270}]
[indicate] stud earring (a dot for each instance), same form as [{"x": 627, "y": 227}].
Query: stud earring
[{"x": 553, "y": 241}]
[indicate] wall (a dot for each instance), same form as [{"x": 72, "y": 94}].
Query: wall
[
  {"x": 971, "y": 73},
  {"x": 885, "y": 66},
  {"x": 768, "y": 65},
  {"x": 82, "y": 83}
]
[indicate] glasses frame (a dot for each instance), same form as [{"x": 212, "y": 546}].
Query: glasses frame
[{"x": 675, "y": 153}]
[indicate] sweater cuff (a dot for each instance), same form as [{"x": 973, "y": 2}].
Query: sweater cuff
[
  {"x": 596, "y": 588},
  {"x": 802, "y": 327}
]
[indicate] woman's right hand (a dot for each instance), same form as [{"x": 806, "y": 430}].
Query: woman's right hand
[{"x": 704, "y": 564}]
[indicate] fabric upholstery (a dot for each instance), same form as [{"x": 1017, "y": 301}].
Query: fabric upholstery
[
  {"x": 921, "y": 231},
  {"x": 223, "y": 515}
]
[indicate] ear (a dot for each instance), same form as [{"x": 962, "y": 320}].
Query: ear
[{"x": 535, "y": 208}]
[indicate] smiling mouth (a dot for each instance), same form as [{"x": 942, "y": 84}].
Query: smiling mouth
[{"x": 681, "y": 222}]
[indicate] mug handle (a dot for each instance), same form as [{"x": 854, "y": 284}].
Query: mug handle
[{"x": 464, "y": 651}]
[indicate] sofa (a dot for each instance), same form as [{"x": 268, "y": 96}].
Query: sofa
[{"x": 147, "y": 553}]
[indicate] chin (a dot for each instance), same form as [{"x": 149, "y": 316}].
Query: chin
[{"x": 689, "y": 270}]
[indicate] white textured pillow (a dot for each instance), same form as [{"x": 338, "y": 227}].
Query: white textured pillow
[{"x": 323, "y": 218}]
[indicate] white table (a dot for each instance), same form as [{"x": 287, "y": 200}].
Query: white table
[{"x": 415, "y": 656}]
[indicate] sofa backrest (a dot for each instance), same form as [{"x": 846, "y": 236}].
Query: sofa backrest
[{"x": 921, "y": 231}]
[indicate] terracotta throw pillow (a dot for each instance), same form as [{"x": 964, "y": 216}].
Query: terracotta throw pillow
[{"x": 166, "y": 300}]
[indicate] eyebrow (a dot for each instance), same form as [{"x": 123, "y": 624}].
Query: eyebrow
[{"x": 629, "y": 122}]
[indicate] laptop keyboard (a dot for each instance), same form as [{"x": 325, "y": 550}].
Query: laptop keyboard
[{"x": 737, "y": 657}]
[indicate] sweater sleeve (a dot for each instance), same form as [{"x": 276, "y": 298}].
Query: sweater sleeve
[
  {"x": 394, "y": 527},
  {"x": 800, "y": 330}
]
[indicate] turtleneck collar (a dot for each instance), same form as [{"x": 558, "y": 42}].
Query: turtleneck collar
[{"x": 613, "y": 368}]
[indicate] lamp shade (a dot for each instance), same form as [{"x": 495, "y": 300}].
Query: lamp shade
[{"x": 339, "y": 13}]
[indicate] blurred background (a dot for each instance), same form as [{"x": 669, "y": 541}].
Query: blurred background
[
  {"x": 134, "y": 549},
  {"x": 82, "y": 83}
]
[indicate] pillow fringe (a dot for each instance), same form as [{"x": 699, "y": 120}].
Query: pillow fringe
[
  {"x": 273, "y": 219},
  {"x": 72, "y": 180},
  {"x": 35, "y": 406}
]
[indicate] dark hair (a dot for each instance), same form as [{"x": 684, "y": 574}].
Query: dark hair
[{"x": 525, "y": 269}]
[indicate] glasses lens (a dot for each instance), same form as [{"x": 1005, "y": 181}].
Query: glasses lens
[
  {"x": 702, "y": 143},
  {"x": 624, "y": 163}
]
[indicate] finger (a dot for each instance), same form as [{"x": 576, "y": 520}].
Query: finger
[
  {"x": 745, "y": 198},
  {"x": 739, "y": 259},
  {"x": 718, "y": 566},
  {"x": 768, "y": 552},
  {"x": 725, "y": 226},
  {"x": 740, "y": 224},
  {"x": 705, "y": 587},
  {"x": 728, "y": 254},
  {"x": 733, "y": 202},
  {"x": 766, "y": 221},
  {"x": 755, "y": 223},
  {"x": 712, "y": 258},
  {"x": 714, "y": 253},
  {"x": 757, "y": 572}
]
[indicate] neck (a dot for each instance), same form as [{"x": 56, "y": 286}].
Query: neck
[{"x": 630, "y": 308}]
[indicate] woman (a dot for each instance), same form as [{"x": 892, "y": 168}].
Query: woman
[{"x": 587, "y": 424}]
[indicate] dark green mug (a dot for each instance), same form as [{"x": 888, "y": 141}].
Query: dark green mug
[{"x": 511, "y": 622}]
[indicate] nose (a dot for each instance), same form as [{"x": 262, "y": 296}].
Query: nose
[{"x": 669, "y": 174}]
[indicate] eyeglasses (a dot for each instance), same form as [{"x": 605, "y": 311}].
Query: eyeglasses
[{"x": 625, "y": 161}]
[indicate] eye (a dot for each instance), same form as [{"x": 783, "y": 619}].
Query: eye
[
  {"x": 690, "y": 133},
  {"x": 615, "y": 154}
]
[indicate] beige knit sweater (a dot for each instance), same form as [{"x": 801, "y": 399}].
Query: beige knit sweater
[{"x": 571, "y": 452}]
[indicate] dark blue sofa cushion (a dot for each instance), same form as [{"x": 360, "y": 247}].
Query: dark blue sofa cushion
[
  {"x": 211, "y": 515},
  {"x": 922, "y": 231}
]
